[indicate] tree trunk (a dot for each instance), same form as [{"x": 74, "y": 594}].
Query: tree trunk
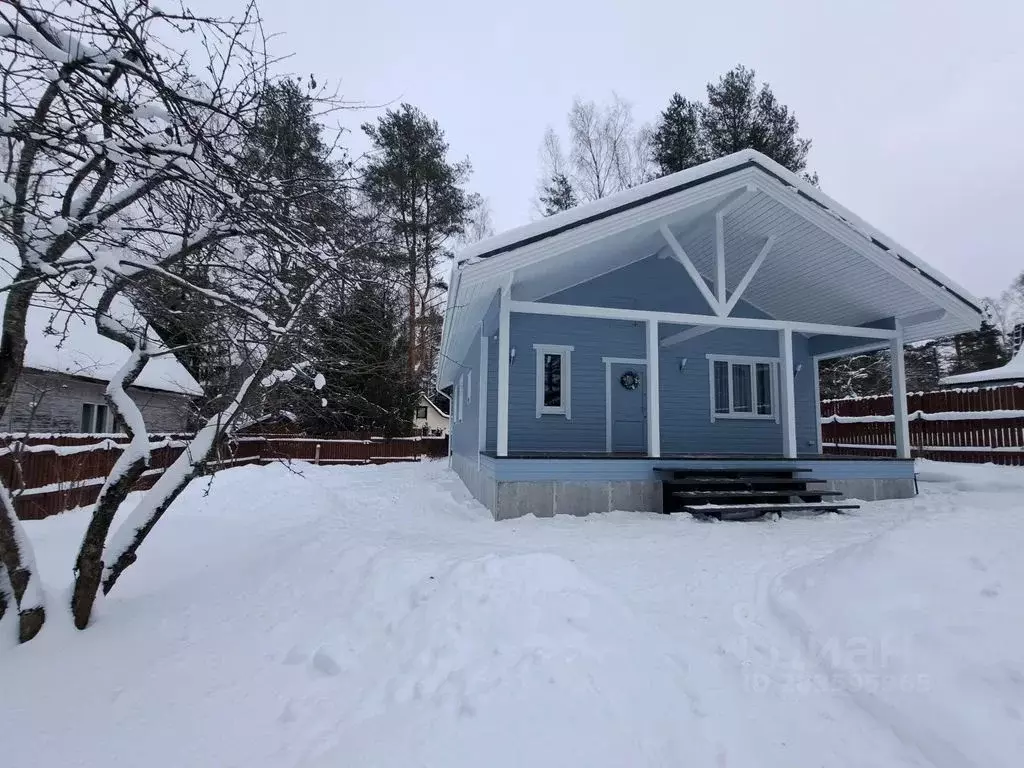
[
  {"x": 122, "y": 478},
  {"x": 15, "y": 548},
  {"x": 125, "y": 543}
]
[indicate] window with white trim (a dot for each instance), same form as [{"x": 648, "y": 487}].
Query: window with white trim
[
  {"x": 94, "y": 418},
  {"x": 743, "y": 387},
  {"x": 421, "y": 412},
  {"x": 554, "y": 380}
]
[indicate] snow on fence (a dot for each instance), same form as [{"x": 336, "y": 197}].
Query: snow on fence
[
  {"x": 966, "y": 425},
  {"x": 52, "y": 473}
]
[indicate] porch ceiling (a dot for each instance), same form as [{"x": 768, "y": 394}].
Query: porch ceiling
[{"x": 825, "y": 265}]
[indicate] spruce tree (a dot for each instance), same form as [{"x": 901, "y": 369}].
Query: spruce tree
[
  {"x": 677, "y": 141},
  {"x": 359, "y": 346},
  {"x": 558, "y": 195},
  {"x": 978, "y": 350}
]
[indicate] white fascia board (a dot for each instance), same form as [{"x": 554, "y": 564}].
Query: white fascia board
[
  {"x": 640, "y": 315},
  {"x": 649, "y": 213}
]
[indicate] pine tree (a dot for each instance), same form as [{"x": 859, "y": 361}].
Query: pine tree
[
  {"x": 677, "y": 141},
  {"x": 558, "y": 195},
  {"x": 737, "y": 115},
  {"x": 418, "y": 195}
]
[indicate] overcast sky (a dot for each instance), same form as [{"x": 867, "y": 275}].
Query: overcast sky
[{"x": 915, "y": 107}]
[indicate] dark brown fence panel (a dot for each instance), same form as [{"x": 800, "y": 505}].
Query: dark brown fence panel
[
  {"x": 54, "y": 473},
  {"x": 962, "y": 425}
]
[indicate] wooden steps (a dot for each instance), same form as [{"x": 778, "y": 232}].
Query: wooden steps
[{"x": 744, "y": 494}]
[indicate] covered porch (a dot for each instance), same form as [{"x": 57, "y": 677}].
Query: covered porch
[{"x": 680, "y": 324}]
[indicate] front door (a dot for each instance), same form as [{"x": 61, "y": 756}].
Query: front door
[{"x": 628, "y": 407}]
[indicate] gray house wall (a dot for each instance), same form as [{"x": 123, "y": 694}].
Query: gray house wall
[{"x": 51, "y": 402}]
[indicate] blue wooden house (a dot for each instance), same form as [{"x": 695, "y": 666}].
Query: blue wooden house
[{"x": 677, "y": 326}]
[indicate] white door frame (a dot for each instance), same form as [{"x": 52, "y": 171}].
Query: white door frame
[{"x": 608, "y": 362}]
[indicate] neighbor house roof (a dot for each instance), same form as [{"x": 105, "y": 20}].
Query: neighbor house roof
[
  {"x": 423, "y": 397},
  {"x": 827, "y": 265},
  {"x": 1012, "y": 371},
  {"x": 62, "y": 338}
]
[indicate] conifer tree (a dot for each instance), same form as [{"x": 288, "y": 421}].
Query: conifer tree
[
  {"x": 557, "y": 195},
  {"x": 677, "y": 142}
]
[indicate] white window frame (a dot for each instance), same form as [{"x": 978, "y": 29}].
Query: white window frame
[
  {"x": 458, "y": 400},
  {"x": 469, "y": 387},
  {"x": 751, "y": 362},
  {"x": 565, "y": 409}
]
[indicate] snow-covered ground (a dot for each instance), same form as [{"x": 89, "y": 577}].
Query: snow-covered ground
[{"x": 376, "y": 616}]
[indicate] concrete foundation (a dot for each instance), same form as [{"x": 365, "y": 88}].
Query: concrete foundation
[
  {"x": 874, "y": 489},
  {"x": 545, "y": 497}
]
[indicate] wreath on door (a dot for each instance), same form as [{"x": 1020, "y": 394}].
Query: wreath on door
[{"x": 630, "y": 380}]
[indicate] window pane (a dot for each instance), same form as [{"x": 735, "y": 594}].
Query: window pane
[
  {"x": 741, "y": 388},
  {"x": 101, "y": 418},
  {"x": 87, "y": 417},
  {"x": 721, "y": 387},
  {"x": 552, "y": 381},
  {"x": 764, "y": 389},
  {"x": 421, "y": 412}
]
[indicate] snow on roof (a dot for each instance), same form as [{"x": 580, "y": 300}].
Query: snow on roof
[
  {"x": 1012, "y": 371},
  {"x": 667, "y": 185},
  {"x": 62, "y": 338}
]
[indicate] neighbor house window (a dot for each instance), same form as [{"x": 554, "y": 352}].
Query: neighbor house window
[
  {"x": 94, "y": 417},
  {"x": 554, "y": 377},
  {"x": 421, "y": 412},
  {"x": 743, "y": 387}
]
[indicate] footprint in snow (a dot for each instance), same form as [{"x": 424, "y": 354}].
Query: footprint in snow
[
  {"x": 991, "y": 591},
  {"x": 324, "y": 663}
]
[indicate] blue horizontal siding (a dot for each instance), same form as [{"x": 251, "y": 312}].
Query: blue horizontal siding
[
  {"x": 465, "y": 434},
  {"x": 591, "y": 341}
]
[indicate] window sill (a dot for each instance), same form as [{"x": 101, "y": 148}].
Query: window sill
[
  {"x": 551, "y": 412},
  {"x": 743, "y": 417}
]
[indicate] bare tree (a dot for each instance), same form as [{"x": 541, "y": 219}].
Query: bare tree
[
  {"x": 123, "y": 159},
  {"x": 608, "y": 151},
  {"x": 1007, "y": 313}
]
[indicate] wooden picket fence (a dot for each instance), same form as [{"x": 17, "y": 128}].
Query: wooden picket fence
[
  {"x": 976, "y": 425},
  {"x": 49, "y": 474}
]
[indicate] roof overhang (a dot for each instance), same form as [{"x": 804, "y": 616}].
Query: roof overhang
[{"x": 826, "y": 265}]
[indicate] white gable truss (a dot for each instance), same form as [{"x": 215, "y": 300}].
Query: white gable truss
[{"x": 741, "y": 226}]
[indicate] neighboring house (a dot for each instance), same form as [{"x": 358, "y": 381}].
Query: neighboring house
[
  {"x": 428, "y": 419},
  {"x": 730, "y": 281},
  {"x": 68, "y": 365},
  {"x": 1011, "y": 373}
]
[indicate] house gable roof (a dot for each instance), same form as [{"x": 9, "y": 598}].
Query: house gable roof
[
  {"x": 1011, "y": 372},
  {"x": 827, "y": 266},
  {"x": 62, "y": 338}
]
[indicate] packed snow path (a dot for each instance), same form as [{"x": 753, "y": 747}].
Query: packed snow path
[{"x": 376, "y": 616}]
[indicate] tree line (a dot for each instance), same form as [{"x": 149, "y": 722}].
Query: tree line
[{"x": 604, "y": 150}]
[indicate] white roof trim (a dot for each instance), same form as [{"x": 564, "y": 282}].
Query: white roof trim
[{"x": 704, "y": 187}]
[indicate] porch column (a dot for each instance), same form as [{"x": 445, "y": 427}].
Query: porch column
[
  {"x": 899, "y": 395},
  {"x": 653, "y": 391},
  {"x": 787, "y": 398},
  {"x": 503, "y": 353},
  {"x": 482, "y": 397}
]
